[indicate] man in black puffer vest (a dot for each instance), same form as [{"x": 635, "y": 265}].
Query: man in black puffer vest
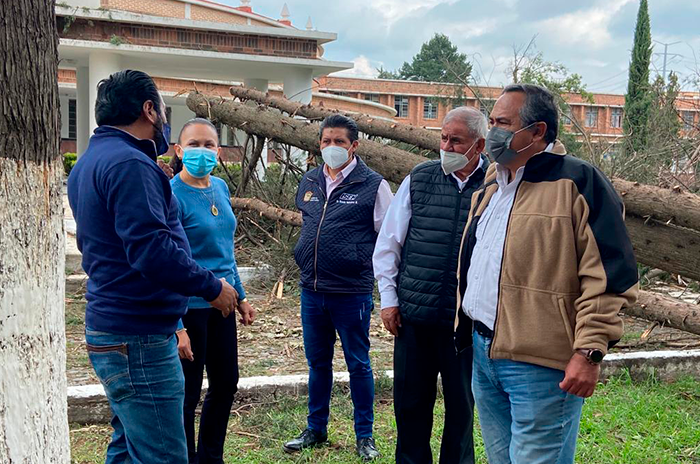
[
  {"x": 343, "y": 203},
  {"x": 415, "y": 263}
]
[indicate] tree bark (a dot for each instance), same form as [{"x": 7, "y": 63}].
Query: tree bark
[
  {"x": 392, "y": 163},
  {"x": 286, "y": 216},
  {"x": 248, "y": 172},
  {"x": 668, "y": 311},
  {"x": 680, "y": 208},
  {"x": 33, "y": 411},
  {"x": 673, "y": 249},
  {"x": 418, "y": 136}
]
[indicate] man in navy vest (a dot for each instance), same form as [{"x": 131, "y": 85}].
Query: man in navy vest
[
  {"x": 415, "y": 263},
  {"x": 343, "y": 203},
  {"x": 137, "y": 258}
]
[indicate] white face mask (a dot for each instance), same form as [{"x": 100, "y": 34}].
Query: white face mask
[
  {"x": 452, "y": 162},
  {"x": 334, "y": 156}
]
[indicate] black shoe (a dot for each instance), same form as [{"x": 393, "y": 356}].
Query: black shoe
[
  {"x": 367, "y": 449},
  {"x": 307, "y": 439}
]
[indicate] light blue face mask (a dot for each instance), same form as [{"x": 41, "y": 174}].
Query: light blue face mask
[{"x": 199, "y": 161}]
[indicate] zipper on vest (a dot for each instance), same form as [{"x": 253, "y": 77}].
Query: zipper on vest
[
  {"x": 318, "y": 232},
  {"x": 318, "y": 235},
  {"x": 500, "y": 274}
]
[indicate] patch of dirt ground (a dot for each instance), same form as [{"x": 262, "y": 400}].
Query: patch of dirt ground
[{"x": 273, "y": 344}]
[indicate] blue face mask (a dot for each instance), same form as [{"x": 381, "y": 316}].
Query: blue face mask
[
  {"x": 162, "y": 138},
  {"x": 199, "y": 161}
]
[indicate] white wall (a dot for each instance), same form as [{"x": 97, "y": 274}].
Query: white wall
[
  {"x": 83, "y": 3},
  {"x": 64, "y": 116}
]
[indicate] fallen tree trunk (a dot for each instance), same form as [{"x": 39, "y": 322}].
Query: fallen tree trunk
[
  {"x": 673, "y": 249},
  {"x": 667, "y": 311},
  {"x": 392, "y": 163},
  {"x": 285, "y": 216},
  {"x": 664, "y": 246},
  {"x": 418, "y": 136},
  {"x": 680, "y": 208}
]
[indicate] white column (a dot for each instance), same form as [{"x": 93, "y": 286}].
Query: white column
[
  {"x": 257, "y": 84},
  {"x": 83, "y": 108},
  {"x": 297, "y": 85},
  {"x": 102, "y": 65}
]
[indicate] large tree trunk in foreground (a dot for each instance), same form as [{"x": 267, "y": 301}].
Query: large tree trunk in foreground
[
  {"x": 33, "y": 411},
  {"x": 667, "y": 311},
  {"x": 673, "y": 249},
  {"x": 390, "y": 162},
  {"x": 665, "y": 205},
  {"x": 421, "y": 138}
]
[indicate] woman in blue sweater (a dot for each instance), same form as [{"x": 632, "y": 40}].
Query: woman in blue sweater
[{"x": 205, "y": 337}]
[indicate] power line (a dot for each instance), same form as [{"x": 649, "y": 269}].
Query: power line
[{"x": 666, "y": 45}]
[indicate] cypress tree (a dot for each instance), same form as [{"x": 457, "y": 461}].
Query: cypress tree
[{"x": 638, "y": 99}]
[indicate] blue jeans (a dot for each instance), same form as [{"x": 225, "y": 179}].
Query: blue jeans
[
  {"x": 525, "y": 417},
  {"x": 322, "y": 314},
  {"x": 144, "y": 384}
]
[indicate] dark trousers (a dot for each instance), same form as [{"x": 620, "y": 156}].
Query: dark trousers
[
  {"x": 322, "y": 315},
  {"x": 420, "y": 353},
  {"x": 214, "y": 345}
]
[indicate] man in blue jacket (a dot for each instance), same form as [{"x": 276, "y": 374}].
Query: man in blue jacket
[
  {"x": 343, "y": 203},
  {"x": 140, "y": 271}
]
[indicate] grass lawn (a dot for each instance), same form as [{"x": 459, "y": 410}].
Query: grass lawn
[{"x": 625, "y": 422}]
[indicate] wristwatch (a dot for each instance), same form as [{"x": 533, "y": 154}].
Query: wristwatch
[
  {"x": 244, "y": 300},
  {"x": 593, "y": 355}
]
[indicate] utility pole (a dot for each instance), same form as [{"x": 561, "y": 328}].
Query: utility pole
[{"x": 666, "y": 45}]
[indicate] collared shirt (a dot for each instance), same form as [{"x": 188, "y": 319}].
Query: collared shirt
[
  {"x": 384, "y": 195},
  {"x": 484, "y": 275},
  {"x": 387, "y": 251}
]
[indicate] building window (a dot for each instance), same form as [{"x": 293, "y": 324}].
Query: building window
[
  {"x": 616, "y": 118},
  {"x": 566, "y": 116},
  {"x": 485, "y": 106},
  {"x": 591, "y": 117},
  {"x": 430, "y": 109},
  {"x": 401, "y": 106},
  {"x": 72, "y": 119},
  {"x": 373, "y": 97},
  {"x": 688, "y": 120},
  {"x": 219, "y": 126}
]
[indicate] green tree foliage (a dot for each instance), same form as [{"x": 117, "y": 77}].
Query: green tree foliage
[
  {"x": 639, "y": 97},
  {"x": 438, "y": 61},
  {"x": 386, "y": 74}
]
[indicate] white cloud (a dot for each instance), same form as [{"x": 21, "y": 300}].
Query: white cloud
[
  {"x": 584, "y": 27},
  {"x": 394, "y": 10},
  {"x": 363, "y": 67},
  {"x": 471, "y": 29}
]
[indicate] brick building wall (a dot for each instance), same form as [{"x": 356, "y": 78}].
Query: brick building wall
[
  {"x": 166, "y": 8},
  {"x": 178, "y": 9},
  {"x": 177, "y": 37}
]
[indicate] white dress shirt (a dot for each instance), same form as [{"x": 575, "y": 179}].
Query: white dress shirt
[
  {"x": 387, "y": 251},
  {"x": 483, "y": 278},
  {"x": 381, "y": 203}
]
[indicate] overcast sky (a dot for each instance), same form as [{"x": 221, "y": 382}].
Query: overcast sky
[{"x": 591, "y": 37}]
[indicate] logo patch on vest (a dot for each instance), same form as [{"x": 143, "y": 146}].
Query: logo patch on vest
[
  {"x": 348, "y": 199},
  {"x": 308, "y": 195}
]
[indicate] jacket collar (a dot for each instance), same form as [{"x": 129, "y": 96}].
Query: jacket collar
[{"x": 146, "y": 146}]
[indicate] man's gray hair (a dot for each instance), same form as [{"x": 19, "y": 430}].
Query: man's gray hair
[{"x": 472, "y": 118}]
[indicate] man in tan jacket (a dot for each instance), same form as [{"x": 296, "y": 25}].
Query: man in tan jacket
[{"x": 546, "y": 264}]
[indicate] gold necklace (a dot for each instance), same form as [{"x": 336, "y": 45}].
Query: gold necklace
[{"x": 214, "y": 210}]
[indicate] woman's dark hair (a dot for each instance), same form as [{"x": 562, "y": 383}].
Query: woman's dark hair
[
  {"x": 121, "y": 96},
  {"x": 340, "y": 121},
  {"x": 175, "y": 161}
]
